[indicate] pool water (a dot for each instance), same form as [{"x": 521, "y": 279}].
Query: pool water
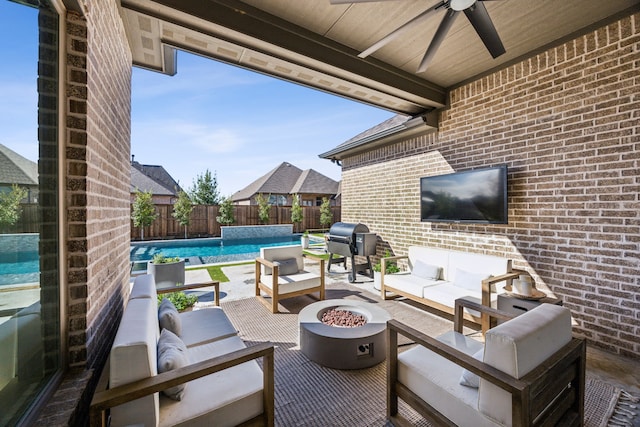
[
  {"x": 210, "y": 250},
  {"x": 19, "y": 267}
]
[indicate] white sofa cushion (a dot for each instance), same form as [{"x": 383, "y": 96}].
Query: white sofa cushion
[
  {"x": 469, "y": 280},
  {"x": 436, "y": 380},
  {"x": 468, "y": 378},
  {"x": 426, "y": 271},
  {"x": 433, "y": 256},
  {"x": 226, "y": 398},
  {"x": 518, "y": 346},
  {"x": 134, "y": 357},
  {"x": 406, "y": 282},
  {"x": 204, "y": 326}
]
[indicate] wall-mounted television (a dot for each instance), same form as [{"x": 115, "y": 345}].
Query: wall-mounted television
[{"x": 473, "y": 196}]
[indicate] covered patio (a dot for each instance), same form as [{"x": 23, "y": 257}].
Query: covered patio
[{"x": 559, "y": 107}]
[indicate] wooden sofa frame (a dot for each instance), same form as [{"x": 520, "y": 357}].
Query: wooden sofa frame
[
  {"x": 484, "y": 320},
  {"x": 540, "y": 398}
]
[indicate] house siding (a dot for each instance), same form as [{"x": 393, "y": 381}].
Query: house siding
[{"x": 567, "y": 124}]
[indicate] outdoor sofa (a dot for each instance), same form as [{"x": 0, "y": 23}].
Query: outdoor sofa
[
  {"x": 437, "y": 277},
  {"x": 223, "y": 383}
]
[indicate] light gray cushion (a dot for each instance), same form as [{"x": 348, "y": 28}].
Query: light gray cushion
[
  {"x": 287, "y": 266},
  {"x": 172, "y": 354},
  {"x": 468, "y": 378},
  {"x": 426, "y": 271},
  {"x": 168, "y": 317}
]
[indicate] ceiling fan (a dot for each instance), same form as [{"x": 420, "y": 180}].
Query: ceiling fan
[{"x": 474, "y": 10}]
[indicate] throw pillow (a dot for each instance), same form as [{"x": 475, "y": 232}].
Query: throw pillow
[
  {"x": 470, "y": 281},
  {"x": 287, "y": 266},
  {"x": 168, "y": 317},
  {"x": 468, "y": 378},
  {"x": 172, "y": 354},
  {"x": 426, "y": 271}
]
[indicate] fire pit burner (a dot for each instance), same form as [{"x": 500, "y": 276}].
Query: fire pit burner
[
  {"x": 343, "y": 318},
  {"x": 343, "y": 347}
]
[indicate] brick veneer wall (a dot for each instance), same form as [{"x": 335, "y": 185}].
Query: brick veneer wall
[
  {"x": 97, "y": 187},
  {"x": 567, "y": 123}
]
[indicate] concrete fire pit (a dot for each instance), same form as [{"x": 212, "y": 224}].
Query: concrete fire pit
[{"x": 343, "y": 347}]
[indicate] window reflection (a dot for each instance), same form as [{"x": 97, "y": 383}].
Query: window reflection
[{"x": 29, "y": 288}]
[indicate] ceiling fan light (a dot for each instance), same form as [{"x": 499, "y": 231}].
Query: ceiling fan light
[{"x": 460, "y": 5}]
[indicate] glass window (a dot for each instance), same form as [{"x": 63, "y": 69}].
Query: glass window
[{"x": 29, "y": 274}]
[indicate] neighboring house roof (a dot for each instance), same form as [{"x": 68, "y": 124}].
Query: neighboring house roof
[
  {"x": 142, "y": 182},
  {"x": 288, "y": 179},
  {"x": 395, "y": 128},
  {"x": 15, "y": 169},
  {"x": 313, "y": 182},
  {"x": 157, "y": 174}
]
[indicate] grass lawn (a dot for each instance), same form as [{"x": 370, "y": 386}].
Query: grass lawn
[{"x": 215, "y": 271}]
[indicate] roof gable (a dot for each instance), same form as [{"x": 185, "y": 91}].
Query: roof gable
[
  {"x": 15, "y": 169},
  {"x": 142, "y": 182}
]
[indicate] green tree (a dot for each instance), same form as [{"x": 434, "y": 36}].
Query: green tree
[
  {"x": 10, "y": 204},
  {"x": 182, "y": 210},
  {"x": 204, "y": 190},
  {"x": 144, "y": 211},
  {"x": 226, "y": 212},
  {"x": 325, "y": 213},
  {"x": 296, "y": 211},
  {"x": 264, "y": 208}
]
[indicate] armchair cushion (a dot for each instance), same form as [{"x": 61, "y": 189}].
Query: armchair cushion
[
  {"x": 277, "y": 253},
  {"x": 287, "y": 266},
  {"x": 518, "y": 346}
]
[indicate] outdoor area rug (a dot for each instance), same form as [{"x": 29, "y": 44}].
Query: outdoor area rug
[{"x": 307, "y": 394}]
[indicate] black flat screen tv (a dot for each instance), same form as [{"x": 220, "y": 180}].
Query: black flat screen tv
[{"x": 473, "y": 196}]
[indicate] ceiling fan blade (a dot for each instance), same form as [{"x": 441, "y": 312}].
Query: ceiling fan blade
[
  {"x": 400, "y": 30},
  {"x": 439, "y": 36},
  {"x": 479, "y": 18},
  {"x": 353, "y": 1}
]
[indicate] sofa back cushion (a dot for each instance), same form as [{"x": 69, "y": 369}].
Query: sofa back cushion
[
  {"x": 518, "y": 346},
  {"x": 144, "y": 286},
  {"x": 134, "y": 357},
  {"x": 279, "y": 253},
  {"x": 429, "y": 256}
]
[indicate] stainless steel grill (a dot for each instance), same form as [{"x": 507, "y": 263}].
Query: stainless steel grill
[{"x": 348, "y": 240}]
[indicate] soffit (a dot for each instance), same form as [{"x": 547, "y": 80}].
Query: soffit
[{"x": 315, "y": 43}]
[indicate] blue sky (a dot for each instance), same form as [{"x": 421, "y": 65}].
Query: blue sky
[{"x": 234, "y": 122}]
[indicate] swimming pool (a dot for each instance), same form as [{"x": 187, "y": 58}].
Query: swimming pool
[{"x": 209, "y": 250}]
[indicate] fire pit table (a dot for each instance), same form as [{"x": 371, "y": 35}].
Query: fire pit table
[{"x": 343, "y": 347}]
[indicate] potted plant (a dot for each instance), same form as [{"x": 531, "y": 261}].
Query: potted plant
[
  {"x": 304, "y": 239},
  {"x": 392, "y": 267},
  {"x": 167, "y": 271}
]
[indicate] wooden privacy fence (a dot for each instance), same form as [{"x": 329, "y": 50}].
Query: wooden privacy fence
[{"x": 204, "y": 224}]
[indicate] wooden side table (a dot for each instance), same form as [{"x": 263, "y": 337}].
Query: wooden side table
[
  {"x": 516, "y": 306},
  {"x": 195, "y": 279}
]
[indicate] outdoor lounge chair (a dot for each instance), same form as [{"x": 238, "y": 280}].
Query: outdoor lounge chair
[
  {"x": 530, "y": 371},
  {"x": 281, "y": 273}
]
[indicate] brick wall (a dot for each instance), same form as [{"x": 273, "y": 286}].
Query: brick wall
[
  {"x": 567, "y": 123},
  {"x": 96, "y": 189}
]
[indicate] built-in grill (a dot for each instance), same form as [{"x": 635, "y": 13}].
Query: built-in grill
[{"x": 349, "y": 240}]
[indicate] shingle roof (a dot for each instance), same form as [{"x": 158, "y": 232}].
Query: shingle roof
[
  {"x": 158, "y": 174},
  {"x": 311, "y": 181},
  {"x": 15, "y": 169},
  {"x": 288, "y": 179},
  {"x": 142, "y": 182}
]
